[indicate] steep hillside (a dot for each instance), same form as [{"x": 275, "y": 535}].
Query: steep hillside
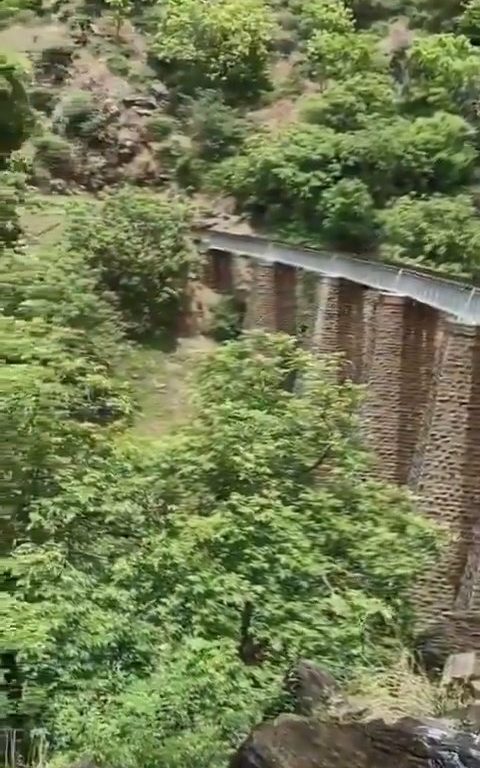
[{"x": 352, "y": 124}]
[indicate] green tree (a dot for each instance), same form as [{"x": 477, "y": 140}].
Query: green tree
[
  {"x": 347, "y": 104},
  {"x": 216, "y": 129},
  {"x": 285, "y": 175},
  {"x": 349, "y": 218},
  {"x": 322, "y": 16},
  {"x": 15, "y": 114},
  {"x": 442, "y": 72},
  {"x": 121, "y": 9},
  {"x": 222, "y": 44},
  {"x": 337, "y": 55},
  {"x": 439, "y": 232},
  {"x": 140, "y": 248}
]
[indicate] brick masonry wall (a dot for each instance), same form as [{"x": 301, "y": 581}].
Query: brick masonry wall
[
  {"x": 449, "y": 478},
  {"x": 261, "y": 306},
  {"x": 381, "y": 410}
]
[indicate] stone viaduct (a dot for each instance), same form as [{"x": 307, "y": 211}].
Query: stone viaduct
[{"x": 414, "y": 340}]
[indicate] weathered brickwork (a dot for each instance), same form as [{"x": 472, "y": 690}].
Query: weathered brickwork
[
  {"x": 261, "y": 309},
  {"x": 449, "y": 478},
  {"x": 324, "y": 338},
  {"x": 422, "y": 408},
  {"x": 416, "y": 379},
  {"x": 285, "y": 291},
  {"x": 381, "y": 411}
]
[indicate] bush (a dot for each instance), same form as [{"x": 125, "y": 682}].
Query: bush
[
  {"x": 286, "y": 174},
  {"x": 227, "y": 319},
  {"x": 469, "y": 21},
  {"x": 119, "y": 64},
  {"x": 55, "y": 154},
  {"x": 16, "y": 119},
  {"x": 439, "y": 232},
  {"x": 322, "y": 16},
  {"x": 159, "y": 126},
  {"x": 335, "y": 55},
  {"x": 346, "y": 105},
  {"x": 140, "y": 248},
  {"x": 55, "y": 62},
  {"x": 79, "y": 115},
  {"x": 348, "y": 215},
  {"x": 216, "y": 129},
  {"x": 11, "y": 194}
]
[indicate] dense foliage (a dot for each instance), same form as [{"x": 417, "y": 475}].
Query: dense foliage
[
  {"x": 145, "y": 573},
  {"x": 140, "y": 248},
  {"x": 221, "y": 45}
]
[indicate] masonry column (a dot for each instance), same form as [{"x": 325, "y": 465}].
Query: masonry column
[
  {"x": 449, "y": 474},
  {"x": 381, "y": 409},
  {"x": 261, "y": 305},
  {"x": 325, "y": 331}
]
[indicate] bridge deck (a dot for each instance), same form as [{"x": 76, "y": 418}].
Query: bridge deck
[{"x": 460, "y": 300}]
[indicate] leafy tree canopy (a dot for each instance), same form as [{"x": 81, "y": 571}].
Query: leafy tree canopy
[
  {"x": 139, "y": 247},
  {"x": 143, "y": 562},
  {"x": 434, "y": 231},
  {"x": 221, "y": 44}
]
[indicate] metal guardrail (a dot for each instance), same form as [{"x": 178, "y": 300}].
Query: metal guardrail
[{"x": 460, "y": 300}]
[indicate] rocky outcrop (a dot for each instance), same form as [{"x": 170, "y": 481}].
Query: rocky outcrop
[
  {"x": 329, "y": 731},
  {"x": 300, "y": 742}
]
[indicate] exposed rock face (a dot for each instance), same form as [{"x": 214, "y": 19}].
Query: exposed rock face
[
  {"x": 313, "y": 738},
  {"x": 299, "y": 742},
  {"x": 311, "y": 687}
]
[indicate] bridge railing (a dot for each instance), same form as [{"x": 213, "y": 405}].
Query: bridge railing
[{"x": 458, "y": 299}]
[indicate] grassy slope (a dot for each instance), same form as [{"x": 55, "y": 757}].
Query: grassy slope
[{"x": 159, "y": 379}]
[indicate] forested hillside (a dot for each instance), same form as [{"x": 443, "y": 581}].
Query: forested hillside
[
  {"x": 159, "y": 584},
  {"x": 351, "y": 124}
]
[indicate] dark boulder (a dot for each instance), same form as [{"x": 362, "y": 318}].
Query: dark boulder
[{"x": 291, "y": 741}]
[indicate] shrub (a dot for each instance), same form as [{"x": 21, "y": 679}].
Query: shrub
[
  {"x": 55, "y": 62},
  {"x": 348, "y": 214},
  {"x": 469, "y": 21},
  {"x": 79, "y": 114},
  {"x": 55, "y": 154},
  {"x": 227, "y": 319},
  {"x": 216, "y": 129},
  {"x": 119, "y": 64},
  {"x": 439, "y": 232},
  {"x": 335, "y": 55},
  {"x": 15, "y": 115},
  {"x": 160, "y": 126},
  {"x": 322, "y": 16},
  {"x": 346, "y": 105}
]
